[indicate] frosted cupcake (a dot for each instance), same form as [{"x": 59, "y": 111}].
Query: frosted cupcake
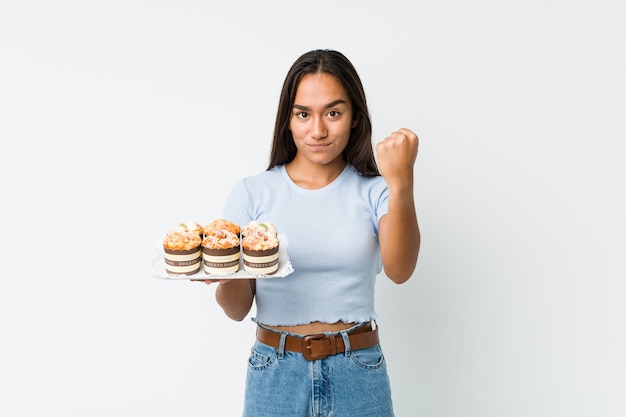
[
  {"x": 260, "y": 248},
  {"x": 182, "y": 247},
  {"x": 220, "y": 252}
]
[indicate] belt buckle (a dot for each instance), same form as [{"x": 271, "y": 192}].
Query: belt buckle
[{"x": 306, "y": 346}]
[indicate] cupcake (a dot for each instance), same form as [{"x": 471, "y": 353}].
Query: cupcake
[
  {"x": 182, "y": 247},
  {"x": 260, "y": 248},
  {"x": 223, "y": 224},
  {"x": 220, "y": 248}
]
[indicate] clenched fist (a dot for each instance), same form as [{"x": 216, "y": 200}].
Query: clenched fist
[{"x": 396, "y": 156}]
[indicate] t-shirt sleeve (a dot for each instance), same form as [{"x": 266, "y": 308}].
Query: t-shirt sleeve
[
  {"x": 381, "y": 200},
  {"x": 238, "y": 206}
]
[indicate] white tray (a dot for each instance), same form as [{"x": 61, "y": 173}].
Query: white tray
[{"x": 157, "y": 268}]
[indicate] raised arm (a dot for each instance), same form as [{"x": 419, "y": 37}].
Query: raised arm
[{"x": 399, "y": 233}]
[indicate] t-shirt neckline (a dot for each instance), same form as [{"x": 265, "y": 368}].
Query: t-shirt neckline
[{"x": 332, "y": 184}]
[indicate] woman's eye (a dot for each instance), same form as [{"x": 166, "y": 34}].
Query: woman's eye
[
  {"x": 333, "y": 113},
  {"x": 302, "y": 115}
]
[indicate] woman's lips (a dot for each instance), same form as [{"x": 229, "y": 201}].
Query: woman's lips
[{"x": 318, "y": 146}]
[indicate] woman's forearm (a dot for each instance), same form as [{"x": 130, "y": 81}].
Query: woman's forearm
[
  {"x": 400, "y": 235},
  {"x": 235, "y": 297}
]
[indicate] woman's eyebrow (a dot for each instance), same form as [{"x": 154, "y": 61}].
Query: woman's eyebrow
[{"x": 329, "y": 105}]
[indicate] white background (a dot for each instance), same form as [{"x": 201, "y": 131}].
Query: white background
[{"x": 119, "y": 119}]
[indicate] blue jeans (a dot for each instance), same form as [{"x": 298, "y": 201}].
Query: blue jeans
[{"x": 280, "y": 383}]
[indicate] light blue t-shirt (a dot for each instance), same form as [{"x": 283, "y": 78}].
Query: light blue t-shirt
[{"x": 332, "y": 236}]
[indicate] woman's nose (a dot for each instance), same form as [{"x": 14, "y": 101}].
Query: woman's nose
[{"x": 318, "y": 128}]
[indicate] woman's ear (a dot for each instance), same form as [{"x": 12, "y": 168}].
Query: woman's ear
[{"x": 355, "y": 121}]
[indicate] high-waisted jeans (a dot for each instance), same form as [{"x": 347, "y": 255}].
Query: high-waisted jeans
[{"x": 280, "y": 383}]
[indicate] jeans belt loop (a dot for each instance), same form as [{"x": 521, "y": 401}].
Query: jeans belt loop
[
  {"x": 346, "y": 342},
  {"x": 281, "y": 346}
]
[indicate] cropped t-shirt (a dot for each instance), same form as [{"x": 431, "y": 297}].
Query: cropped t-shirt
[{"x": 332, "y": 243}]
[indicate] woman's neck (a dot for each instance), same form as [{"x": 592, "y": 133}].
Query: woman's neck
[{"x": 314, "y": 176}]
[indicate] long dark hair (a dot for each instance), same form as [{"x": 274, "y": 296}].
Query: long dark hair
[{"x": 359, "y": 150}]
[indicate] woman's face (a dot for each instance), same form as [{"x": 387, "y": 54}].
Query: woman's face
[{"x": 321, "y": 120}]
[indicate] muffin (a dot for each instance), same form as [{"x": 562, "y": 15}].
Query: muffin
[
  {"x": 182, "y": 249},
  {"x": 223, "y": 224},
  {"x": 220, "y": 252},
  {"x": 193, "y": 227},
  {"x": 260, "y": 248}
]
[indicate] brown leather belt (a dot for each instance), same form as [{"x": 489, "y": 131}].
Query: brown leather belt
[{"x": 320, "y": 346}]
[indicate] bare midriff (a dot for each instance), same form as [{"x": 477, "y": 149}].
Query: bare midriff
[{"x": 313, "y": 327}]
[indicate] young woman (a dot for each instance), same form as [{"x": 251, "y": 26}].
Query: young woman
[{"x": 346, "y": 216}]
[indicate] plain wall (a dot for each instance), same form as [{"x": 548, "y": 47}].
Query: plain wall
[{"x": 120, "y": 119}]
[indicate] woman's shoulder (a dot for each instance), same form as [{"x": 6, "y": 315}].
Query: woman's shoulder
[{"x": 268, "y": 177}]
